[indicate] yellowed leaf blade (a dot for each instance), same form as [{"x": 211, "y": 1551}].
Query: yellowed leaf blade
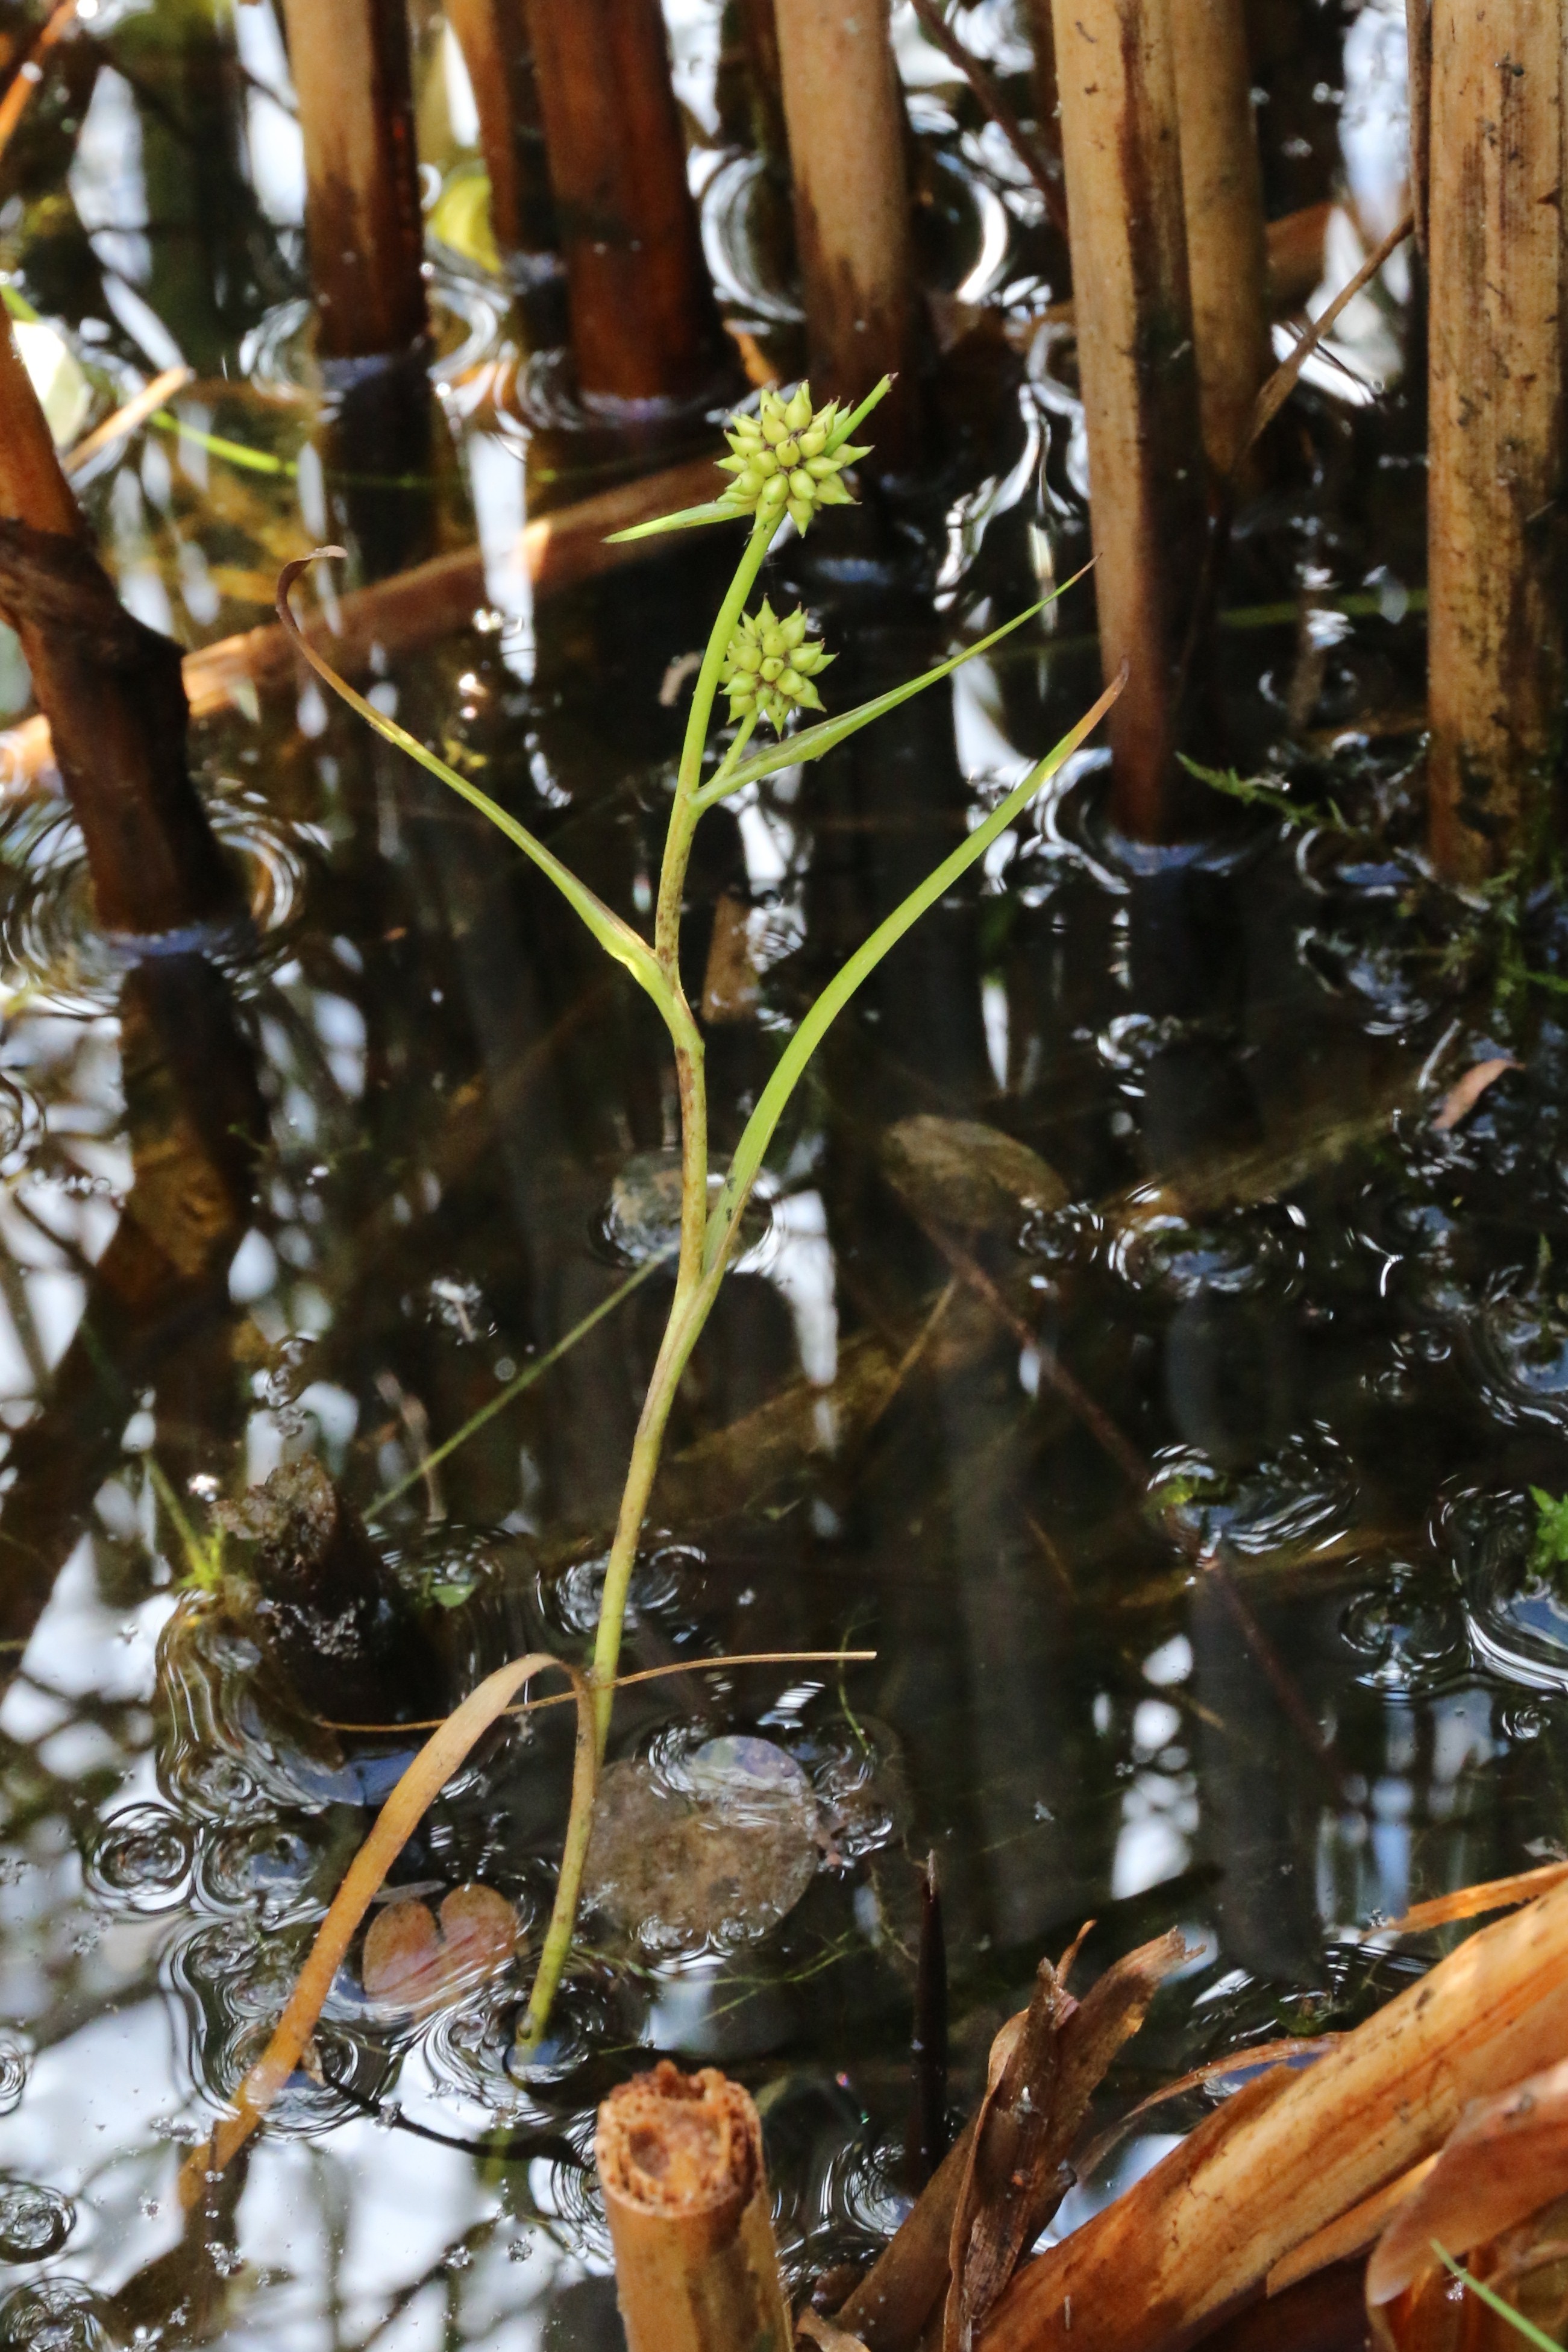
[{"x": 442, "y": 1754}]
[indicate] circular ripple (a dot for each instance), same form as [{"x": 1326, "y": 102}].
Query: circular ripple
[
  {"x": 1302, "y": 1493},
  {"x": 265, "y": 1865},
  {"x": 16, "y": 2061},
  {"x": 664, "y": 1581},
  {"x": 1224, "y": 1257},
  {"x": 21, "y": 1123},
  {"x": 1516, "y": 1602},
  {"x": 49, "y": 931},
  {"x": 278, "y": 355},
  {"x": 141, "y": 1859},
  {"x": 34, "y": 2222},
  {"x": 53, "y": 2315}
]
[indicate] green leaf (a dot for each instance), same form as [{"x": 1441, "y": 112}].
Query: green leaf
[
  {"x": 725, "y": 1221},
  {"x": 856, "y": 417},
  {"x": 792, "y": 751},
  {"x": 1527, "y": 2328},
  {"x": 687, "y": 518},
  {"x": 617, "y": 937}
]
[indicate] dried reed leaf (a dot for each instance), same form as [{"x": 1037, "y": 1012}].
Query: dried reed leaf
[
  {"x": 1507, "y": 2159},
  {"x": 1015, "y": 2159},
  {"x": 1352, "y": 2233},
  {"x": 1202, "y": 2230},
  {"x": 442, "y": 1754},
  {"x": 1256, "y": 2054},
  {"x": 894, "y": 2302},
  {"x": 827, "y": 2333},
  {"x": 1472, "y": 1902}
]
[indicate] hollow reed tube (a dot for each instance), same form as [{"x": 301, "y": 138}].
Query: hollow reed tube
[
  {"x": 110, "y": 687},
  {"x": 645, "y": 326},
  {"x": 845, "y": 116},
  {"x": 1222, "y": 190},
  {"x": 363, "y": 228},
  {"x": 1122, "y": 152},
  {"x": 680, "y": 2165},
  {"x": 1495, "y": 449}
]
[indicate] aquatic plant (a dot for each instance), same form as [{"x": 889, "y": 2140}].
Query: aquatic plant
[{"x": 764, "y": 451}]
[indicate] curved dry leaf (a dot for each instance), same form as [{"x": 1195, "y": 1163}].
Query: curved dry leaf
[
  {"x": 442, "y": 1754},
  {"x": 1507, "y": 2158},
  {"x": 1462, "y": 1099}
]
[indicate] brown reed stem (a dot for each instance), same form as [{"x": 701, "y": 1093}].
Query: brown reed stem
[
  {"x": 362, "y": 223},
  {"x": 1227, "y": 248},
  {"x": 993, "y": 100},
  {"x": 492, "y": 37},
  {"x": 1122, "y": 152},
  {"x": 643, "y": 322},
  {"x": 680, "y": 2165},
  {"x": 1495, "y": 450},
  {"x": 852, "y": 203},
  {"x": 110, "y": 687}
]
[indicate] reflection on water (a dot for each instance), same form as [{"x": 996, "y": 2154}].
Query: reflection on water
[{"x": 1119, "y": 1352}]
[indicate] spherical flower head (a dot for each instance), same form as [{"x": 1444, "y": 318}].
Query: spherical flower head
[
  {"x": 783, "y": 460},
  {"x": 769, "y": 666}
]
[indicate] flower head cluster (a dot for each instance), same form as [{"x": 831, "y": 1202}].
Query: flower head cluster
[
  {"x": 768, "y": 666},
  {"x": 785, "y": 461}
]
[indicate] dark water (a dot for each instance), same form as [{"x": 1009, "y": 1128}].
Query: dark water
[{"x": 1258, "y": 1642}]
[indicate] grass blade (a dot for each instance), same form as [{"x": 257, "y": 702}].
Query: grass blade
[
  {"x": 724, "y": 1223},
  {"x": 617, "y": 937},
  {"x": 687, "y": 519},
  {"x": 1527, "y": 2328}
]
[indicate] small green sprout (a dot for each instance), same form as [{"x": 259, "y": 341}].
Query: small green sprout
[
  {"x": 1548, "y": 1555},
  {"x": 787, "y": 459},
  {"x": 768, "y": 666}
]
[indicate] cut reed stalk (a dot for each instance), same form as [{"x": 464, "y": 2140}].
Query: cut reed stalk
[
  {"x": 110, "y": 689},
  {"x": 852, "y": 202},
  {"x": 362, "y": 222},
  {"x": 680, "y": 2165},
  {"x": 1497, "y": 444},
  {"x": 1227, "y": 247},
  {"x": 1123, "y": 157},
  {"x": 1292, "y": 2152},
  {"x": 643, "y": 322},
  {"x": 492, "y": 37}
]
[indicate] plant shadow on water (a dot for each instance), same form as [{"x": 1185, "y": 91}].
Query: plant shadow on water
[{"x": 1109, "y": 1238}]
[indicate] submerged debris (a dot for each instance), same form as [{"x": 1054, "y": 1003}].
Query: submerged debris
[{"x": 717, "y": 1856}]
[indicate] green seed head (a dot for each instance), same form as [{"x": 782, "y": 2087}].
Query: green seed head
[
  {"x": 782, "y": 461},
  {"x": 768, "y": 666}
]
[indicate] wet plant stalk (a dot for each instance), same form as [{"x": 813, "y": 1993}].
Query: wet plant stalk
[{"x": 787, "y": 462}]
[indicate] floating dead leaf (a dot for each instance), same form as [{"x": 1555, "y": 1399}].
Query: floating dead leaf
[
  {"x": 722, "y": 1858},
  {"x": 1507, "y": 2159},
  {"x": 962, "y": 1173},
  {"x": 410, "y": 1963},
  {"x": 1462, "y": 1099}
]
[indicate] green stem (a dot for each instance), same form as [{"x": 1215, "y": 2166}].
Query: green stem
[{"x": 684, "y": 814}]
